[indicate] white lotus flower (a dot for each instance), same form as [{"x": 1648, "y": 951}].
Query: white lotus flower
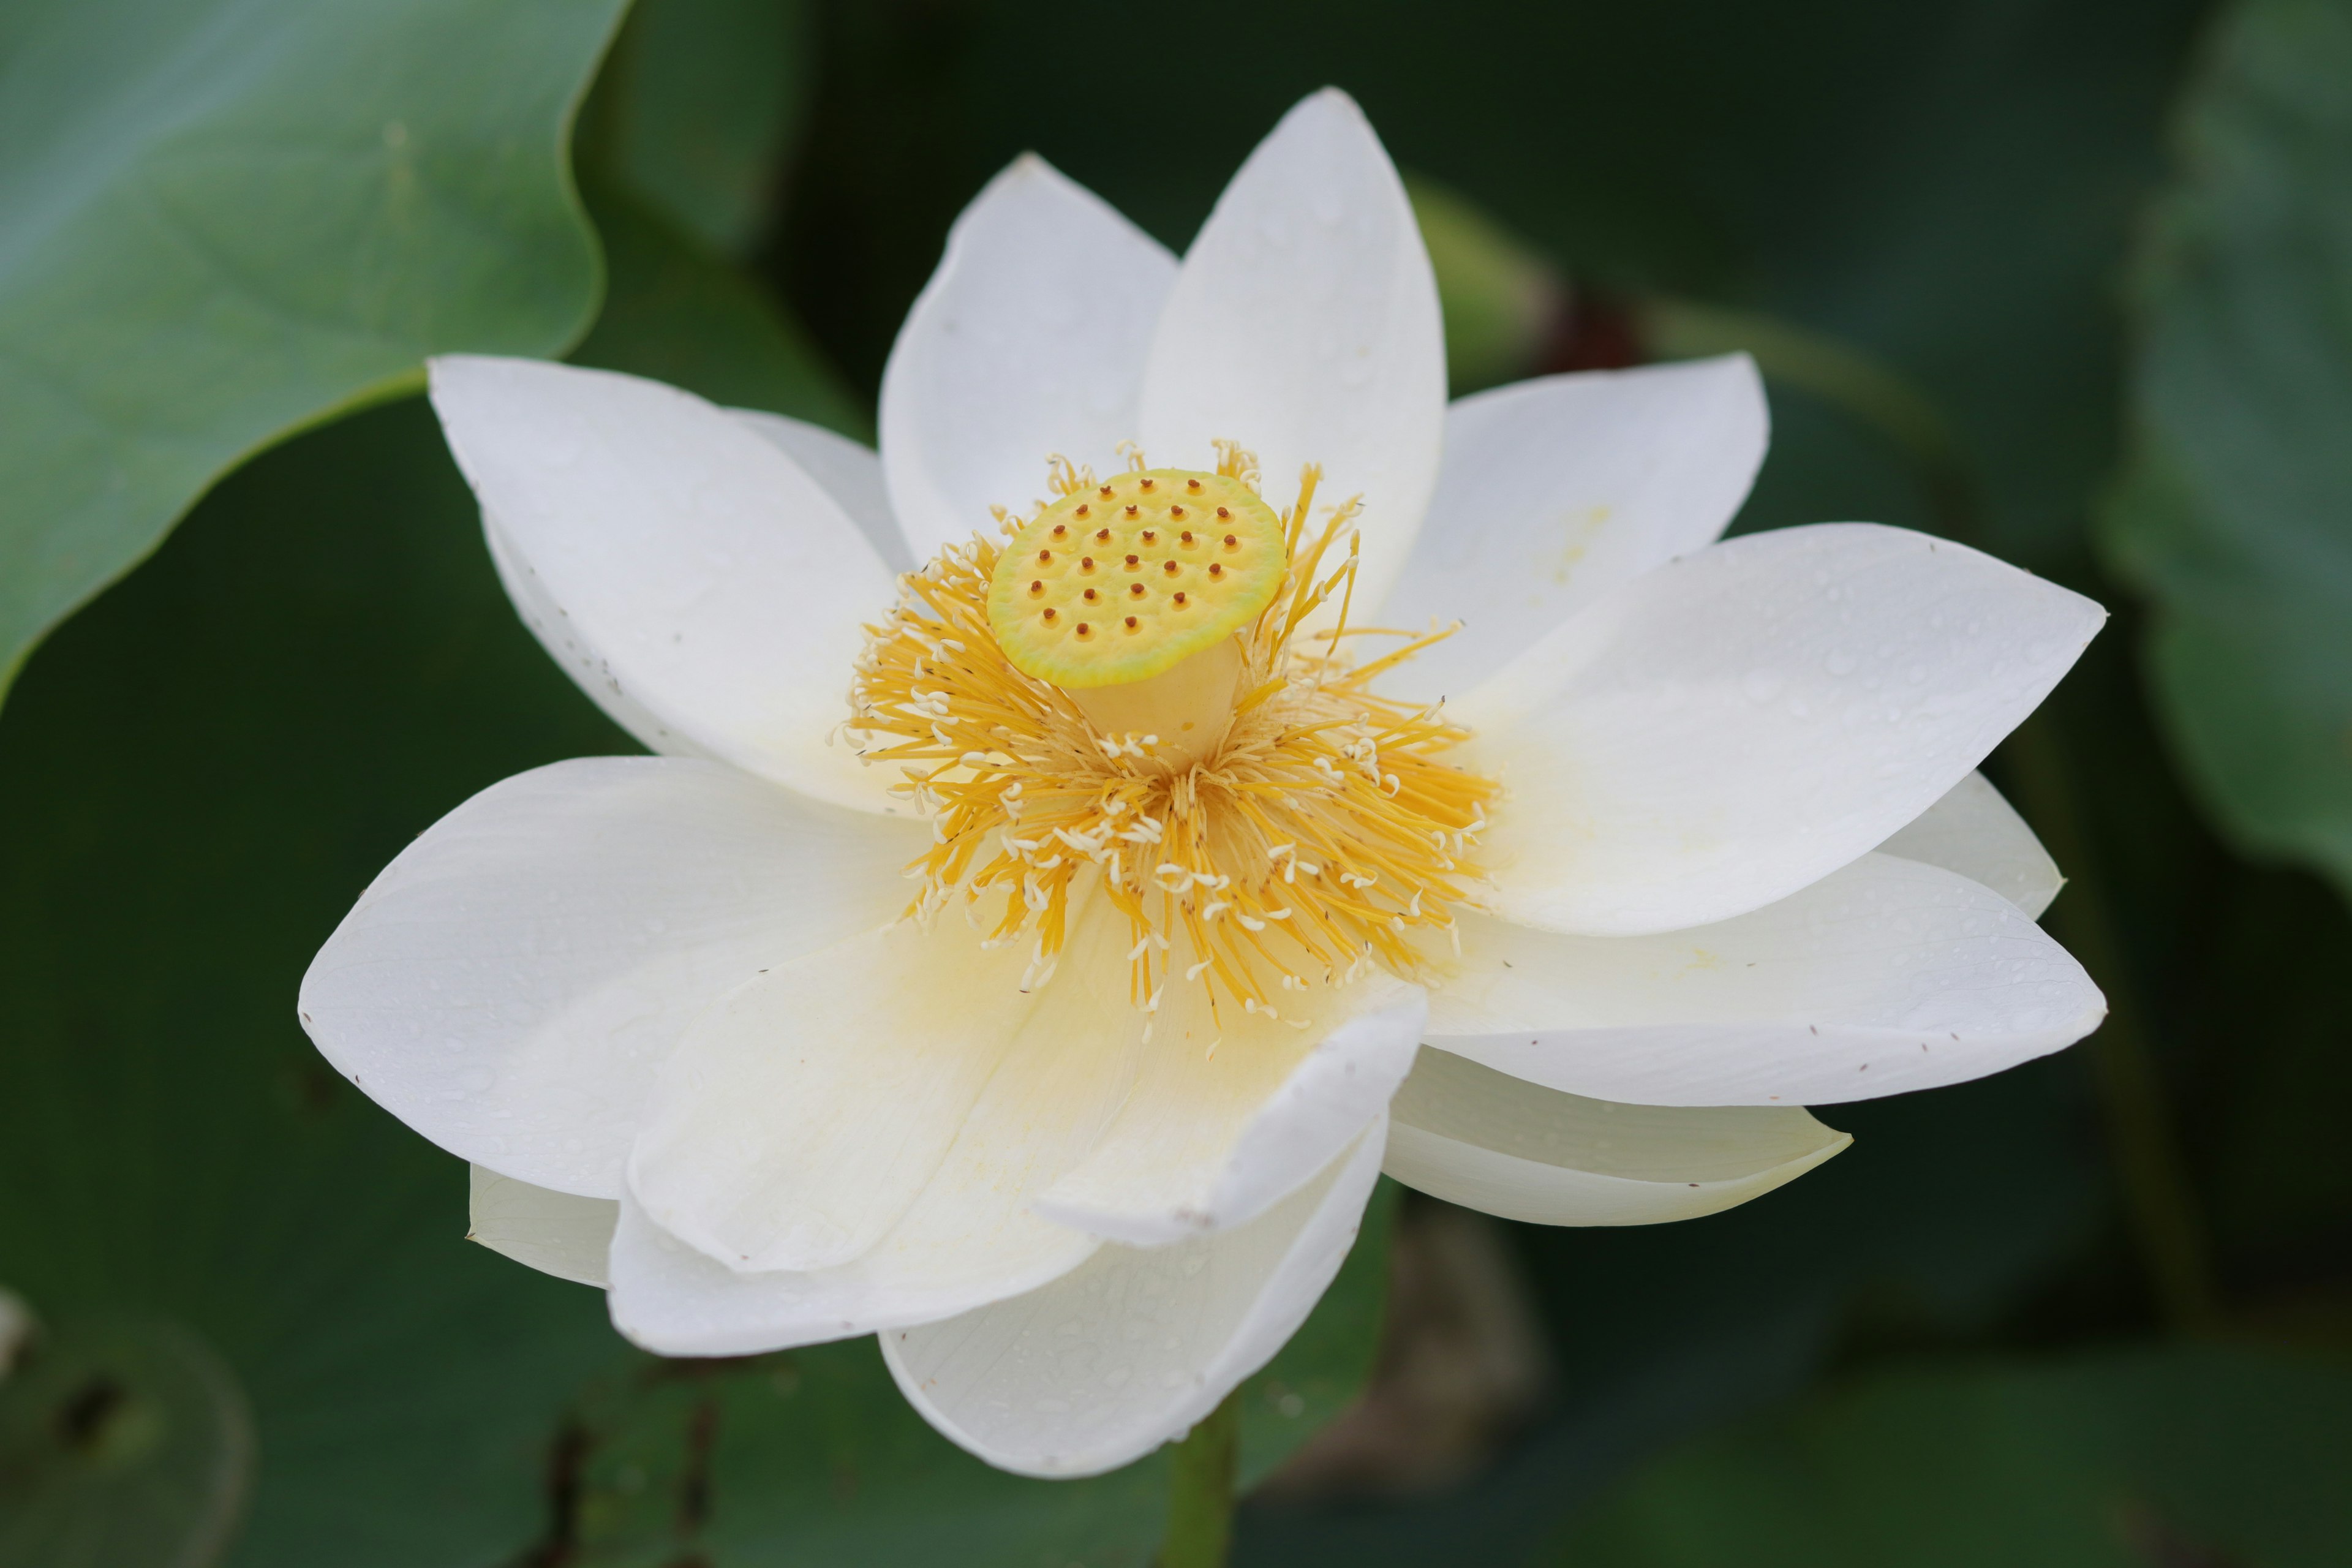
[{"x": 1211, "y": 927}]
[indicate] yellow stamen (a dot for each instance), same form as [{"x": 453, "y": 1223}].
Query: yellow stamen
[{"x": 1314, "y": 831}]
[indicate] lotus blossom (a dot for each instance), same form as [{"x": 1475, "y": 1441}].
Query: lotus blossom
[{"x": 1062, "y": 883}]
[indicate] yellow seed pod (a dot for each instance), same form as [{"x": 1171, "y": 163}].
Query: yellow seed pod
[{"x": 1127, "y": 578}]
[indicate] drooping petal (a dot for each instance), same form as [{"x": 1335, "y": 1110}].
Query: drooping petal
[
  {"x": 510, "y": 984},
  {"x": 850, "y": 471},
  {"x": 676, "y": 558},
  {"x": 1229, "y": 1113},
  {"x": 1305, "y": 326},
  {"x": 1135, "y": 1346},
  {"x": 1488, "y": 1141},
  {"x": 1972, "y": 830},
  {"x": 1555, "y": 491},
  {"x": 1887, "y": 976},
  {"x": 556, "y": 1233},
  {"x": 1029, "y": 340},
  {"x": 1739, "y": 723},
  {"x": 967, "y": 1239}
]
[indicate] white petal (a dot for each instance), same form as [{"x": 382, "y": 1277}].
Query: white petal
[
  {"x": 1889, "y": 975},
  {"x": 1226, "y": 1116},
  {"x": 556, "y": 1232},
  {"x": 676, "y": 558},
  {"x": 799, "y": 1118},
  {"x": 1739, "y": 723},
  {"x": 1029, "y": 340},
  {"x": 1555, "y": 491},
  {"x": 1134, "y": 1347},
  {"x": 1488, "y": 1141},
  {"x": 511, "y": 982},
  {"x": 850, "y": 471},
  {"x": 1972, "y": 830},
  {"x": 1305, "y": 326},
  {"x": 968, "y": 1237},
  {"x": 582, "y": 659}
]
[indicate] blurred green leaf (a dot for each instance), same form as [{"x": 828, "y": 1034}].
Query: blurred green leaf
[
  {"x": 123, "y": 1443},
  {"x": 811, "y": 1458},
  {"x": 677, "y": 312},
  {"x": 2235, "y": 513},
  {"x": 707, "y": 97},
  {"x": 198, "y": 776},
  {"x": 2183, "y": 1457},
  {"x": 221, "y": 220}
]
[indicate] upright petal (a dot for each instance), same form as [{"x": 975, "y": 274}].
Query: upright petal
[
  {"x": 1134, "y": 1346},
  {"x": 1555, "y": 491},
  {"x": 1972, "y": 830},
  {"x": 850, "y": 471},
  {"x": 1230, "y": 1112},
  {"x": 1740, "y": 722},
  {"x": 1488, "y": 1141},
  {"x": 1305, "y": 326},
  {"x": 676, "y": 558},
  {"x": 1889, "y": 975},
  {"x": 511, "y": 983},
  {"x": 556, "y": 1233},
  {"x": 1030, "y": 339},
  {"x": 968, "y": 1237}
]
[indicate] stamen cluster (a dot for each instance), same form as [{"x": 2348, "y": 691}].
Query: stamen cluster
[{"x": 1317, "y": 837}]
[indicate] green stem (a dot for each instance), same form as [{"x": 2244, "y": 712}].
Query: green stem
[{"x": 1201, "y": 1490}]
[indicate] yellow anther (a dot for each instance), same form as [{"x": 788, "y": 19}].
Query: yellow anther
[{"x": 1214, "y": 603}]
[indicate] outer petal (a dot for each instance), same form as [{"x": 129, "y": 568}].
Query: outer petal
[
  {"x": 1972, "y": 830},
  {"x": 1029, "y": 340},
  {"x": 1223, "y": 1121},
  {"x": 675, "y": 558},
  {"x": 1887, "y": 976},
  {"x": 1128, "y": 1351},
  {"x": 799, "y": 1116},
  {"x": 1305, "y": 326},
  {"x": 1739, "y": 723},
  {"x": 1488, "y": 1140},
  {"x": 1556, "y": 492},
  {"x": 556, "y": 1232},
  {"x": 850, "y": 471},
  {"x": 510, "y": 984},
  {"x": 967, "y": 1239}
]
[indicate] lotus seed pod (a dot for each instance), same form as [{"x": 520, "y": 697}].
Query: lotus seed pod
[{"x": 1124, "y": 580}]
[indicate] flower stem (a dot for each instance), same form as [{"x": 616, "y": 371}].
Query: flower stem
[{"x": 1201, "y": 1490}]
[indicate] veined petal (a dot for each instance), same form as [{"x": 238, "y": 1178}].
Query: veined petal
[
  {"x": 968, "y": 1237},
  {"x": 1886, "y": 976},
  {"x": 1029, "y": 340},
  {"x": 1229, "y": 1113},
  {"x": 1555, "y": 491},
  {"x": 850, "y": 471},
  {"x": 676, "y": 560},
  {"x": 1488, "y": 1141},
  {"x": 1305, "y": 325},
  {"x": 1739, "y": 723},
  {"x": 1972, "y": 830},
  {"x": 1135, "y": 1346},
  {"x": 798, "y": 1119},
  {"x": 510, "y": 984},
  {"x": 556, "y": 1233}
]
